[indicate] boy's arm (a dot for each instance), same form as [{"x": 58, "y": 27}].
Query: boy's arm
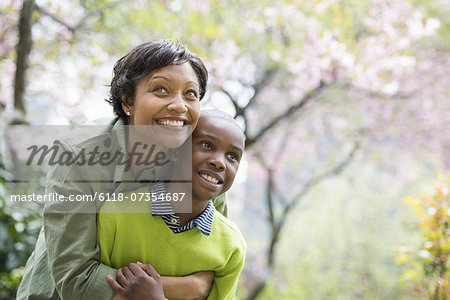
[
  {"x": 194, "y": 286},
  {"x": 226, "y": 281}
]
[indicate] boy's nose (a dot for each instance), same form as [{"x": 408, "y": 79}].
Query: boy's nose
[{"x": 217, "y": 164}]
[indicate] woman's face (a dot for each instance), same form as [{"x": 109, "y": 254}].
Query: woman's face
[{"x": 168, "y": 100}]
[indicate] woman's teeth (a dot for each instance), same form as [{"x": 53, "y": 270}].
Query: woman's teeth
[{"x": 171, "y": 123}]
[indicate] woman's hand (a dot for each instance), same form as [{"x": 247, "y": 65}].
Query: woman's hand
[{"x": 137, "y": 282}]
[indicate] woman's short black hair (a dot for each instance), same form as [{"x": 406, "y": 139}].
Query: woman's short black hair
[{"x": 144, "y": 59}]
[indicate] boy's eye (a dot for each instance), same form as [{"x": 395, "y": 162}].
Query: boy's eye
[
  {"x": 233, "y": 156},
  {"x": 206, "y": 145}
]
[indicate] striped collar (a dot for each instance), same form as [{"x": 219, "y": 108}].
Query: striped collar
[{"x": 164, "y": 209}]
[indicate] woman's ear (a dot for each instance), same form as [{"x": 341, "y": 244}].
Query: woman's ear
[{"x": 126, "y": 107}]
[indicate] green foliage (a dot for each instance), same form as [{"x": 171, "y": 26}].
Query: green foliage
[
  {"x": 427, "y": 266},
  {"x": 9, "y": 281},
  {"x": 18, "y": 233}
]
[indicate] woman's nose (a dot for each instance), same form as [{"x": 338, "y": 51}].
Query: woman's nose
[{"x": 177, "y": 104}]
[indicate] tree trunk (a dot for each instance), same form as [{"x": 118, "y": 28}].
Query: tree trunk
[
  {"x": 23, "y": 50},
  {"x": 254, "y": 293}
]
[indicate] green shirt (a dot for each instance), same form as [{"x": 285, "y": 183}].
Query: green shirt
[
  {"x": 131, "y": 237},
  {"x": 66, "y": 261}
]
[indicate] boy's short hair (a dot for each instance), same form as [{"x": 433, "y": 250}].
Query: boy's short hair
[
  {"x": 144, "y": 59},
  {"x": 215, "y": 113}
]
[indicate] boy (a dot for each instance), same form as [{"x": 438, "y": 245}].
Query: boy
[{"x": 178, "y": 244}]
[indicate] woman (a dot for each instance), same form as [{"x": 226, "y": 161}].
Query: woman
[{"x": 158, "y": 84}]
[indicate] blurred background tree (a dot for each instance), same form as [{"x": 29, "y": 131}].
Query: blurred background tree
[{"x": 323, "y": 88}]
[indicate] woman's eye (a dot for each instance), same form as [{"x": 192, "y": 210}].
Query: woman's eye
[
  {"x": 192, "y": 94},
  {"x": 160, "y": 89}
]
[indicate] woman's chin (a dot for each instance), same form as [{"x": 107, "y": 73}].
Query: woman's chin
[{"x": 173, "y": 138}]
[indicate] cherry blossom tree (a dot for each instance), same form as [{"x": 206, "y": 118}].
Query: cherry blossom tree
[{"x": 314, "y": 84}]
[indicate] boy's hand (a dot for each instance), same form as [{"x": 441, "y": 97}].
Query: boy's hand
[{"x": 137, "y": 282}]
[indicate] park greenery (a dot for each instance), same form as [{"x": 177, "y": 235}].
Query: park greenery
[
  {"x": 346, "y": 111},
  {"x": 428, "y": 263}
]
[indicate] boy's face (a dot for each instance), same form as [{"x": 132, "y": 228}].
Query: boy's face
[{"x": 217, "y": 148}]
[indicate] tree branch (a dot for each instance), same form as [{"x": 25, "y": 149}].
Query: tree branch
[
  {"x": 73, "y": 28},
  {"x": 257, "y": 87},
  {"x": 7, "y": 48},
  {"x": 290, "y": 111},
  {"x": 239, "y": 110},
  {"x": 269, "y": 188},
  {"x": 55, "y": 18},
  {"x": 277, "y": 224},
  {"x": 282, "y": 146},
  {"x": 375, "y": 94},
  {"x": 337, "y": 169}
]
